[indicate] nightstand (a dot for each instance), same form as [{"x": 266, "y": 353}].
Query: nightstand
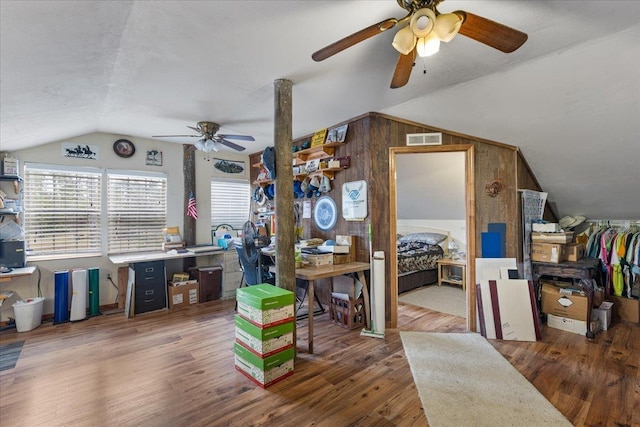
[{"x": 452, "y": 271}]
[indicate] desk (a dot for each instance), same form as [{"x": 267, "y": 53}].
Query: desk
[
  {"x": 7, "y": 277},
  {"x": 311, "y": 274},
  {"x": 17, "y": 272},
  {"x": 148, "y": 269},
  {"x": 585, "y": 268},
  {"x": 445, "y": 274},
  {"x": 158, "y": 256}
]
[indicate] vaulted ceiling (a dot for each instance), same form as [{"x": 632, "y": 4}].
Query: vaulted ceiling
[{"x": 569, "y": 97}]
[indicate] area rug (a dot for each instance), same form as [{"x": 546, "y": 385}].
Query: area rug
[
  {"x": 463, "y": 381},
  {"x": 444, "y": 299},
  {"x": 9, "y": 354}
]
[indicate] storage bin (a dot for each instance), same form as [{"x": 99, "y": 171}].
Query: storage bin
[
  {"x": 210, "y": 280},
  {"x": 28, "y": 313},
  {"x": 347, "y": 313}
]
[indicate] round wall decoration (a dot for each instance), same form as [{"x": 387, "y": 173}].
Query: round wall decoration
[
  {"x": 325, "y": 213},
  {"x": 124, "y": 148}
]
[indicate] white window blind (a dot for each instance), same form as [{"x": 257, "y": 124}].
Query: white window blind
[
  {"x": 136, "y": 211},
  {"x": 230, "y": 202},
  {"x": 62, "y": 210}
]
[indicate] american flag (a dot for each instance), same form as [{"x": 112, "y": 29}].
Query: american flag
[{"x": 192, "y": 209}]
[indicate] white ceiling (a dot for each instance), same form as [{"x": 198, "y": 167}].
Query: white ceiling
[{"x": 569, "y": 97}]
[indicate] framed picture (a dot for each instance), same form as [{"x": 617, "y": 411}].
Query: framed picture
[
  {"x": 337, "y": 134},
  {"x": 154, "y": 158},
  {"x": 229, "y": 167},
  {"x": 124, "y": 148}
]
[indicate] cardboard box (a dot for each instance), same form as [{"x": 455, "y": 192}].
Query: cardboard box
[
  {"x": 625, "y": 308},
  {"x": 263, "y": 342},
  {"x": 317, "y": 260},
  {"x": 603, "y": 313},
  {"x": 264, "y": 371},
  {"x": 547, "y": 252},
  {"x": 182, "y": 294},
  {"x": 562, "y": 237},
  {"x": 572, "y": 325},
  {"x": 574, "y": 251},
  {"x": 549, "y": 227},
  {"x": 265, "y": 305},
  {"x": 563, "y": 303}
]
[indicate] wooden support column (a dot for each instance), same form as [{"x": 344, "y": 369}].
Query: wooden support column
[
  {"x": 189, "y": 172},
  {"x": 283, "y": 136}
]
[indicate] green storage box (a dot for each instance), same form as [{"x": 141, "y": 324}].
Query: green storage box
[
  {"x": 263, "y": 341},
  {"x": 265, "y": 305},
  {"x": 264, "y": 371}
]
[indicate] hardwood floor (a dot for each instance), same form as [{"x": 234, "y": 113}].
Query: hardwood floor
[{"x": 177, "y": 369}]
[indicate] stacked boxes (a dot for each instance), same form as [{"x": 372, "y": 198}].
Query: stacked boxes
[
  {"x": 567, "y": 308},
  {"x": 555, "y": 247},
  {"x": 264, "y": 347}
]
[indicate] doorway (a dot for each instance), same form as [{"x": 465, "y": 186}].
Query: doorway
[{"x": 398, "y": 159}]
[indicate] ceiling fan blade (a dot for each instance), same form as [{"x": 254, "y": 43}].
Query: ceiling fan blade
[
  {"x": 231, "y": 145},
  {"x": 176, "y": 136},
  {"x": 240, "y": 137},
  {"x": 491, "y": 33},
  {"x": 403, "y": 69},
  {"x": 196, "y": 129},
  {"x": 353, "y": 39}
]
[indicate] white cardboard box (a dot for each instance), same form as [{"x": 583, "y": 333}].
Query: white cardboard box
[
  {"x": 603, "y": 313},
  {"x": 550, "y": 227},
  {"x": 572, "y": 325}
]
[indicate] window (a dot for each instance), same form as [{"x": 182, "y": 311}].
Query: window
[
  {"x": 62, "y": 210},
  {"x": 230, "y": 201},
  {"x": 136, "y": 211}
]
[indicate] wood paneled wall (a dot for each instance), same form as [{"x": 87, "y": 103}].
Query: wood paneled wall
[{"x": 367, "y": 142}]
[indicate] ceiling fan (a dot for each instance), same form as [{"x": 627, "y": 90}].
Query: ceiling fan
[
  {"x": 209, "y": 139},
  {"x": 422, "y": 30}
]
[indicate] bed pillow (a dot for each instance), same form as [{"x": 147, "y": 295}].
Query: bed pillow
[{"x": 430, "y": 238}]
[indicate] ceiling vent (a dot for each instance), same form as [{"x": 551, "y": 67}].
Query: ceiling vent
[{"x": 424, "y": 139}]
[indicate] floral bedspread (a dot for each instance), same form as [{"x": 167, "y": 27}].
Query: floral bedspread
[{"x": 414, "y": 256}]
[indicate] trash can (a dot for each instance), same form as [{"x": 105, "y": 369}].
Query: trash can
[{"x": 28, "y": 313}]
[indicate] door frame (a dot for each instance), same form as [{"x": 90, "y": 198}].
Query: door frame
[{"x": 468, "y": 150}]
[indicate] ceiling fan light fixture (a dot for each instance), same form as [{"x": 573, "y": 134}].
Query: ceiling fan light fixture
[
  {"x": 422, "y": 22},
  {"x": 404, "y": 41},
  {"x": 428, "y": 46},
  {"x": 447, "y": 26},
  {"x": 199, "y": 144}
]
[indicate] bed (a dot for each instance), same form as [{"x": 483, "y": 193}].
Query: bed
[{"x": 418, "y": 250}]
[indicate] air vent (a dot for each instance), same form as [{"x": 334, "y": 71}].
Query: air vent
[{"x": 424, "y": 139}]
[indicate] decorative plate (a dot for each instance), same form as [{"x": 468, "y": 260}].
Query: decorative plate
[
  {"x": 124, "y": 148},
  {"x": 325, "y": 213}
]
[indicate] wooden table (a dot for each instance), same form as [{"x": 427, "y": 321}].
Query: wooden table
[
  {"x": 444, "y": 271},
  {"x": 311, "y": 274},
  {"x": 585, "y": 268}
]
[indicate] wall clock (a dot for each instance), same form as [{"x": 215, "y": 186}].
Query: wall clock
[
  {"x": 124, "y": 148},
  {"x": 325, "y": 213}
]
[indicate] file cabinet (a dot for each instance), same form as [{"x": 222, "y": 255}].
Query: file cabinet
[{"x": 150, "y": 285}]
